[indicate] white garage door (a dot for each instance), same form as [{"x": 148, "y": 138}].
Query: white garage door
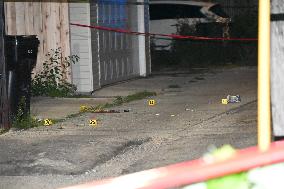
[{"x": 117, "y": 51}]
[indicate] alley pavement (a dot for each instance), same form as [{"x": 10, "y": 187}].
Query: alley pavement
[{"x": 187, "y": 120}]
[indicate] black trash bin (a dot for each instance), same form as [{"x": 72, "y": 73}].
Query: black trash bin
[{"x": 21, "y": 56}]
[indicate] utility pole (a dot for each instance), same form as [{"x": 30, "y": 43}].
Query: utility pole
[{"x": 277, "y": 67}]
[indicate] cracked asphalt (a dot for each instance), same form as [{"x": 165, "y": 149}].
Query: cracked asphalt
[{"x": 184, "y": 124}]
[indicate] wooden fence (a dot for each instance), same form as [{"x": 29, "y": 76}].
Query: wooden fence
[{"x": 49, "y": 20}]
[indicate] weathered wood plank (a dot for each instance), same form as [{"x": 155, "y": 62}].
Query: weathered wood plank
[
  {"x": 38, "y": 30},
  {"x": 65, "y": 33},
  {"x": 20, "y": 18},
  {"x": 49, "y": 20},
  {"x": 45, "y": 8},
  {"x": 277, "y": 69},
  {"x": 29, "y": 14},
  {"x": 10, "y": 18}
]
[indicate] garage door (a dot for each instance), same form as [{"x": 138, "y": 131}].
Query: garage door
[{"x": 116, "y": 50}]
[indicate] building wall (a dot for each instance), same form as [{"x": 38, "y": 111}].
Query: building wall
[
  {"x": 105, "y": 57},
  {"x": 238, "y": 7},
  {"x": 81, "y": 46},
  {"x": 48, "y": 20}
]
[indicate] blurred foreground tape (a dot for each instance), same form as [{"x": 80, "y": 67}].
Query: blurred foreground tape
[
  {"x": 47, "y": 122},
  {"x": 229, "y": 169}
]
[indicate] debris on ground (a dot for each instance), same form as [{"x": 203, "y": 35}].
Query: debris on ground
[
  {"x": 110, "y": 111},
  {"x": 231, "y": 99},
  {"x": 100, "y": 109},
  {"x": 234, "y": 99}
]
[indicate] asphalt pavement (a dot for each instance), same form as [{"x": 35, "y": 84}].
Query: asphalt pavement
[{"x": 187, "y": 120}]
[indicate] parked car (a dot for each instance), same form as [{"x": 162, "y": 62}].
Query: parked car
[{"x": 165, "y": 16}]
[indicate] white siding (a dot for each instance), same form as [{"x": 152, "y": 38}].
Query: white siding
[{"x": 81, "y": 46}]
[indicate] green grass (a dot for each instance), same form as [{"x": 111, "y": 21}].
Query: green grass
[
  {"x": 70, "y": 116},
  {"x": 137, "y": 96},
  {"x": 2, "y": 131},
  {"x": 26, "y": 122},
  {"x": 121, "y": 100},
  {"x": 30, "y": 122},
  {"x": 79, "y": 96},
  {"x": 117, "y": 102},
  {"x": 54, "y": 121},
  {"x": 133, "y": 97}
]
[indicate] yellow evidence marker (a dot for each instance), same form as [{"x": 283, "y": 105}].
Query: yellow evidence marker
[
  {"x": 151, "y": 102},
  {"x": 83, "y": 108},
  {"x": 47, "y": 122},
  {"x": 224, "y": 101},
  {"x": 93, "y": 122}
]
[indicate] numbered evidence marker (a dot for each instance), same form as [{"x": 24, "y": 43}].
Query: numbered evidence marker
[
  {"x": 151, "y": 102},
  {"x": 93, "y": 122},
  {"x": 47, "y": 122},
  {"x": 224, "y": 101}
]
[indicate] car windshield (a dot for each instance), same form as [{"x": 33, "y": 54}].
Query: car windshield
[
  {"x": 173, "y": 11},
  {"x": 217, "y": 9}
]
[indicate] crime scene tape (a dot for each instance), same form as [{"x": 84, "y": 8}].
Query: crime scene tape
[
  {"x": 189, "y": 172},
  {"x": 174, "y": 36}
]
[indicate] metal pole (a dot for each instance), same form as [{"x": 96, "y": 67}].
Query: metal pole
[{"x": 264, "y": 117}]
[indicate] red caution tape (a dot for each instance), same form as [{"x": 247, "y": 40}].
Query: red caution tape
[
  {"x": 190, "y": 172},
  {"x": 163, "y": 35}
]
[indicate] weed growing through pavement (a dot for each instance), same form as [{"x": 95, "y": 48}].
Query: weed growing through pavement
[
  {"x": 52, "y": 79},
  {"x": 118, "y": 101},
  {"x": 32, "y": 122},
  {"x": 24, "y": 120},
  {"x": 2, "y": 131}
]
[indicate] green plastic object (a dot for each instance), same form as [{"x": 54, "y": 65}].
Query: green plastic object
[{"x": 236, "y": 181}]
